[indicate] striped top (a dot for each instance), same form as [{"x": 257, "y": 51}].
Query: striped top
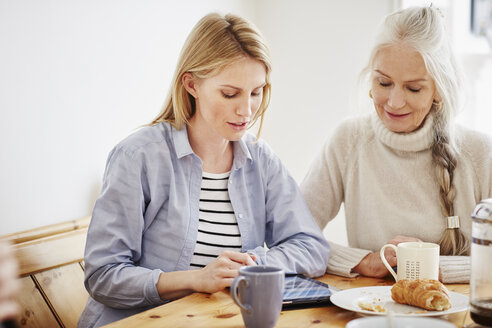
[{"x": 217, "y": 224}]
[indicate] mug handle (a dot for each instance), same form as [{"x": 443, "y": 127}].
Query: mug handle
[
  {"x": 234, "y": 294},
  {"x": 383, "y": 258}
]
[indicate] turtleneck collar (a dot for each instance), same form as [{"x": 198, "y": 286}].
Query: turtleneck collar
[{"x": 418, "y": 140}]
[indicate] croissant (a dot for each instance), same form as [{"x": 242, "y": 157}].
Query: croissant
[{"x": 424, "y": 293}]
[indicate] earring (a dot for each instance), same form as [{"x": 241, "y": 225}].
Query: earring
[
  {"x": 370, "y": 94},
  {"x": 437, "y": 105}
]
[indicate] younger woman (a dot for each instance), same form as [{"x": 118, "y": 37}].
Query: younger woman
[{"x": 189, "y": 199}]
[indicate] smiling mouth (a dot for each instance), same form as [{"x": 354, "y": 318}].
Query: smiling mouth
[{"x": 397, "y": 115}]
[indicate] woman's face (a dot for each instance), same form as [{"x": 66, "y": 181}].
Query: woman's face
[
  {"x": 402, "y": 89},
  {"x": 227, "y": 101}
]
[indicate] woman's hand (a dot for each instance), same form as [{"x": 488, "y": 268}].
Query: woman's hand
[
  {"x": 8, "y": 282},
  {"x": 372, "y": 266},
  {"x": 219, "y": 273}
]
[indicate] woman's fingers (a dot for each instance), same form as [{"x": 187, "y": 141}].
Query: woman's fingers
[
  {"x": 220, "y": 273},
  {"x": 251, "y": 259},
  {"x": 391, "y": 260},
  {"x": 389, "y": 252},
  {"x": 240, "y": 258}
]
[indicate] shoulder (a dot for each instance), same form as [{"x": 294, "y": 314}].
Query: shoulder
[
  {"x": 356, "y": 123},
  {"x": 259, "y": 155},
  {"x": 471, "y": 138},
  {"x": 145, "y": 139},
  {"x": 258, "y": 148},
  {"x": 474, "y": 144},
  {"x": 145, "y": 147},
  {"x": 351, "y": 132}
]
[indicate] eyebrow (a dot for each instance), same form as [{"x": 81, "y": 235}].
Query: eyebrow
[
  {"x": 233, "y": 87},
  {"x": 409, "y": 81}
]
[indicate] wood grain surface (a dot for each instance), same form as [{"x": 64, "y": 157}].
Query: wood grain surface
[{"x": 218, "y": 310}]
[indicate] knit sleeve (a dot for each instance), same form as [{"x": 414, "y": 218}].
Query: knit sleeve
[
  {"x": 483, "y": 162},
  {"x": 476, "y": 148},
  {"x": 455, "y": 269},
  {"x": 343, "y": 259}
]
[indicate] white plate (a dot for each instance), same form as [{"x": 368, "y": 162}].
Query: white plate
[
  {"x": 400, "y": 322},
  {"x": 349, "y": 299}
]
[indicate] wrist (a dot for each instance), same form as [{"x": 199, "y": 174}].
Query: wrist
[
  {"x": 359, "y": 268},
  {"x": 194, "y": 278},
  {"x": 177, "y": 282}
]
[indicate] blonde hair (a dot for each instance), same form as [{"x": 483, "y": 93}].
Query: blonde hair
[
  {"x": 215, "y": 42},
  {"x": 423, "y": 29}
]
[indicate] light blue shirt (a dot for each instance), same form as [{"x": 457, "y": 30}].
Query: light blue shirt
[{"x": 145, "y": 221}]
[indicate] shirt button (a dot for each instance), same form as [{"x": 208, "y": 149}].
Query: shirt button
[{"x": 240, "y": 215}]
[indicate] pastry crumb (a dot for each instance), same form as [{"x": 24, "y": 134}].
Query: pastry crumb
[
  {"x": 417, "y": 312},
  {"x": 371, "y": 307}
]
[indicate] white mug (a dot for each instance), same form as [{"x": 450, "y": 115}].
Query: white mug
[{"x": 415, "y": 260}]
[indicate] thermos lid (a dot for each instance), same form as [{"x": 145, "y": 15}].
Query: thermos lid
[{"x": 483, "y": 211}]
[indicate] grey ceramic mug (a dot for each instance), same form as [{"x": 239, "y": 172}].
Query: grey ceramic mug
[{"x": 258, "y": 291}]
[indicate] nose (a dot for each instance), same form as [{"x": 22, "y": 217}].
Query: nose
[
  {"x": 244, "y": 107},
  {"x": 396, "y": 98}
]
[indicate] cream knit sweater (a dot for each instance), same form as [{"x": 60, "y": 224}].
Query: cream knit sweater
[{"x": 386, "y": 182}]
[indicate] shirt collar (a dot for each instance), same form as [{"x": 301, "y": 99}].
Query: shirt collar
[
  {"x": 181, "y": 142},
  {"x": 241, "y": 152},
  {"x": 183, "y": 147}
]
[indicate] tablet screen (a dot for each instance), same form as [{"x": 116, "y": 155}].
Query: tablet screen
[{"x": 303, "y": 290}]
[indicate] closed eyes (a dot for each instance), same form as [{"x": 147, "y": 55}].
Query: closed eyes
[
  {"x": 230, "y": 96},
  {"x": 414, "y": 90}
]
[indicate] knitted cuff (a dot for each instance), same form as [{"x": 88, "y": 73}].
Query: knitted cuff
[
  {"x": 343, "y": 259},
  {"x": 455, "y": 269}
]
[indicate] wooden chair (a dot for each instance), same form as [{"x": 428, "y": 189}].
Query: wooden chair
[{"x": 51, "y": 273}]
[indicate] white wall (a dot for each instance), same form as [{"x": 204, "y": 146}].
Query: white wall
[
  {"x": 75, "y": 78},
  {"x": 78, "y": 76},
  {"x": 318, "y": 49}
]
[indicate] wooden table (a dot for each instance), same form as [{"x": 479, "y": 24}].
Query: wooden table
[{"x": 219, "y": 310}]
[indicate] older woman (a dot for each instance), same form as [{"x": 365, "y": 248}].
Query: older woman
[
  {"x": 189, "y": 199},
  {"x": 405, "y": 172}
]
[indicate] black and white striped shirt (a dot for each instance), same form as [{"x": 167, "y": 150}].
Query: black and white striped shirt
[{"x": 217, "y": 224}]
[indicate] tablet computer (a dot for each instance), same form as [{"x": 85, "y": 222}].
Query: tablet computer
[{"x": 302, "y": 292}]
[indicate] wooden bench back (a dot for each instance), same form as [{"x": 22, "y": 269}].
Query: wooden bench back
[{"x": 51, "y": 273}]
